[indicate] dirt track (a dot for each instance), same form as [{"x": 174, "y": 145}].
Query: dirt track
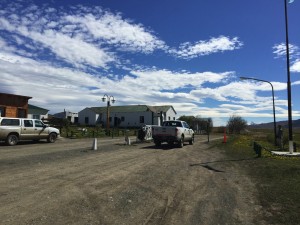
[{"x": 67, "y": 183}]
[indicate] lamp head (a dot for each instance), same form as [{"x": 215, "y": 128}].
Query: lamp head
[{"x": 103, "y": 99}]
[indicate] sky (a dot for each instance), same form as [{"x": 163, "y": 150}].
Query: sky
[{"x": 188, "y": 54}]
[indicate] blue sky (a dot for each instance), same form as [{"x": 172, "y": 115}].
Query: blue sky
[{"x": 190, "y": 54}]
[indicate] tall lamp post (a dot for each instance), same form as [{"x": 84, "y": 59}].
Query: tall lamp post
[
  {"x": 250, "y": 78},
  {"x": 291, "y": 147},
  {"x": 109, "y": 98}
]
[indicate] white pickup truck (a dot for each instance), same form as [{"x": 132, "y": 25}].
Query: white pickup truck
[
  {"x": 14, "y": 129},
  {"x": 174, "y": 131}
]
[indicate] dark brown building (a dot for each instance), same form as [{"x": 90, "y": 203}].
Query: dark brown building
[{"x": 13, "y": 105}]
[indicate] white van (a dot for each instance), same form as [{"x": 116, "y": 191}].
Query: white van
[{"x": 14, "y": 129}]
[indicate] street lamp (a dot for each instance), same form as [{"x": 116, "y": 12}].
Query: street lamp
[
  {"x": 291, "y": 147},
  {"x": 250, "y": 78},
  {"x": 107, "y": 108}
]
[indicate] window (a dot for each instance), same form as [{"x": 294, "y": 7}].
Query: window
[
  {"x": 185, "y": 125},
  {"x": 86, "y": 120},
  {"x": 122, "y": 118},
  {"x": 21, "y": 113},
  {"x": 10, "y": 122},
  {"x": 37, "y": 117},
  {"x": 2, "y": 111},
  {"x": 28, "y": 123},
  {"x": 169, "y": 118},
  {"x": 142, "y": 119},
  {"x": 172, "y": 124},
  {"x": 38, "y": 123}
]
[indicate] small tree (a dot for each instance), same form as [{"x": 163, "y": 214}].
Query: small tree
[
  {"x": 236, "y": 124},
  {"x": 204, "y": 124},
  {"x": 189, "y": 119},
  {"x": 60, "y": 123}
]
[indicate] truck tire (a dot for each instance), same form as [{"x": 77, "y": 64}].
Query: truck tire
[
  {"x": 12, "y": 139},
  {"x": 170, "y": 143},
  {"x": 157, "y": 143},
  {"x": 180, "y": 142},
  {"x": 52, "y": 137},
  {"x": 192, "y": 140}
]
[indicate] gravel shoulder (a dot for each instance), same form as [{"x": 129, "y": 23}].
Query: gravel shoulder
[{"x": 68, "y": 183}]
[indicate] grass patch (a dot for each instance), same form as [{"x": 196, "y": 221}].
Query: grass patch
[
  {"x": 277, "y": 178},
  {"x": 92, "y": 132}
]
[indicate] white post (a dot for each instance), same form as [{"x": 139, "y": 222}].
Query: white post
[
  {"x": 291, "y": 147},
  {"x": 95, "y": 144},
  {"x": 129, "y": 143}
]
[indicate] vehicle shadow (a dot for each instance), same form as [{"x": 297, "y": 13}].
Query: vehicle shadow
[
  {"x": 29, "y": 142},
  {"x": 162, "y": 147}
]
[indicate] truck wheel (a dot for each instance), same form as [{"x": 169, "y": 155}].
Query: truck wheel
[
  {"x": 192, "y": 140},
  {"x": 52, "y": 137},
  {"x": 157, "y": 143},
  {"x": 12, "y": 139},
  {"x": 180, "y": 142},
  {"x": 170, "y": 143}
]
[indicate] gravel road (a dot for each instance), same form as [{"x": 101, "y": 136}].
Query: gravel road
[{"x": 68, "y": 183}]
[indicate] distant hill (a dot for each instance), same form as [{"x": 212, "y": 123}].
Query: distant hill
[{"x": 284, "y": 124}]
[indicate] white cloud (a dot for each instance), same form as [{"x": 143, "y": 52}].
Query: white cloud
[
  {"x": 91, "y": 37},
  {"x": 72, "y": 50},
  {"x": 220, "y": 44},
  {"x": 5, "y": 47},
  {"x": 53, "y": 88},
  {"x": 225, "y": 111},
  {"x": 169, "y": 80},
  {"x": 296, "y": 66},
  {"x": 204, "y": 93},
  {"x": 114, "y": 30},
  {"x": 280, "y": 50}
]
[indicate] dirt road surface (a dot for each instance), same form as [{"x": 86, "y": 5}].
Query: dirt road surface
[{"x": 68, "y": 183}]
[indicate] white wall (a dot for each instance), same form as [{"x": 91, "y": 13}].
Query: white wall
[
  {"x": 71, "y": 115},
  {"x": 131, "y": 119},
  {"x": 170, "y": 115},
  {"x": 87, "y": 113},
  {"x": 30, "y": 116}
]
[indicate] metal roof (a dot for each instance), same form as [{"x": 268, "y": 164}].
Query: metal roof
[
  {"x": 13, "y": 95},
  {"x": 37, "y": 110},
  {"x": 133, "y": 108},
  {"x": 163, "y": 108}
]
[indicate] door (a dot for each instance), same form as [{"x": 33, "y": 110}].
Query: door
[
  {"x": 40, "y": 129},
  {"x": 187, "y": 131},
  {"x": 27, "y": 131}
]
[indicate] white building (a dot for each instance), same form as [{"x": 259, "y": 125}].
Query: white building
[
  {"x": 35, "y": 112},
  {"x": 71, "y": 116},
  {"x": 127, "y": 116}
]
